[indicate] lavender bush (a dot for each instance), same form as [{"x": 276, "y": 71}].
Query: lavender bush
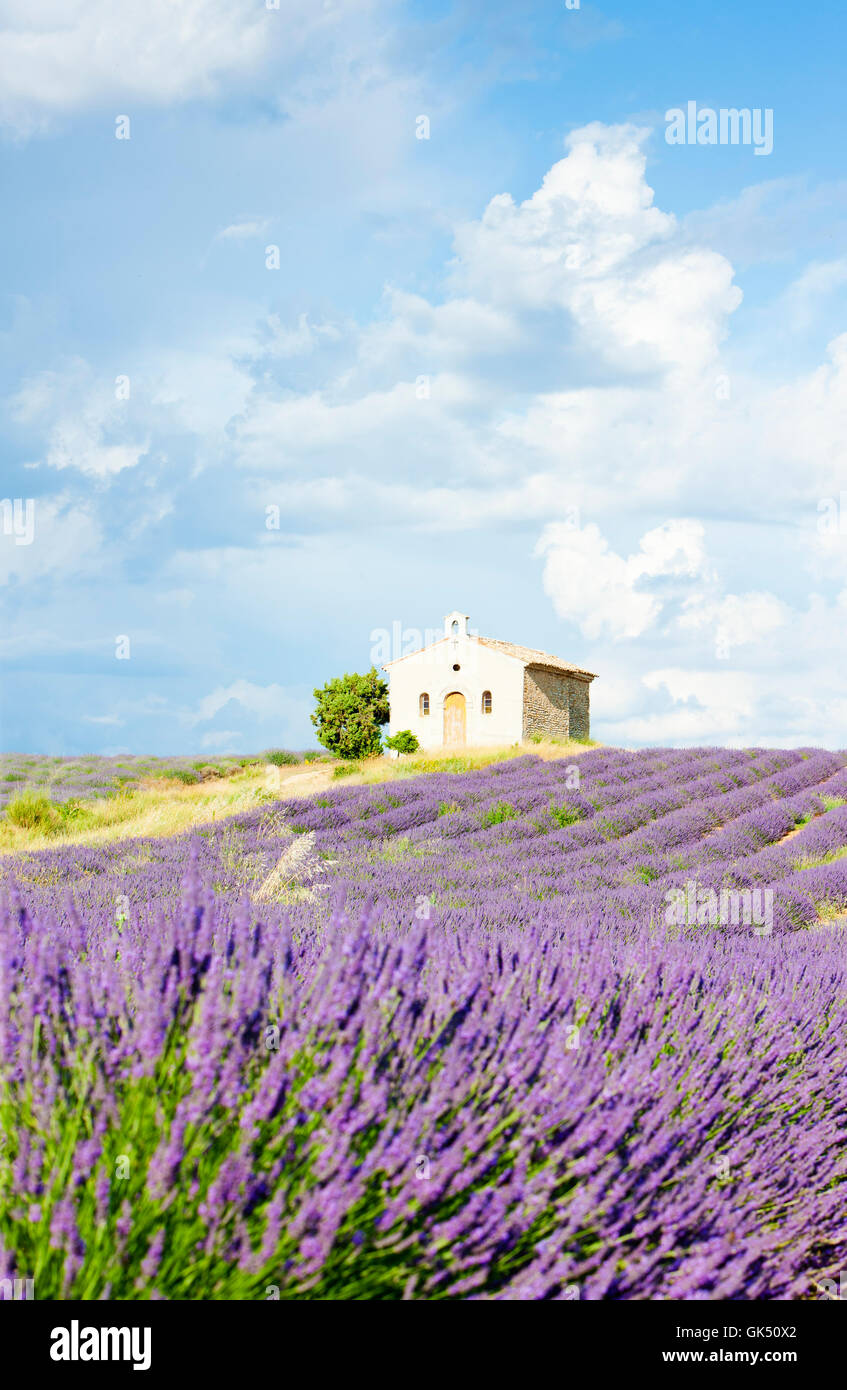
[{"x": 438, "y": 1039}]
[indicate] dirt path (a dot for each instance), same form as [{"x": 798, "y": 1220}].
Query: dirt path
[{"x": 304, "y": 783}]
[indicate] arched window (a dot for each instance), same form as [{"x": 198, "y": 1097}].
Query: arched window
[
  {"x": 423, "y": 704},
  {"x": 486, "y": 702},
  {"x": 455, "y": 627}
]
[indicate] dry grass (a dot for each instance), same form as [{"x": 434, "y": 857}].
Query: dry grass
[
  {"x": 466, "y": 760},
  {"x": 166, "y": 807}
]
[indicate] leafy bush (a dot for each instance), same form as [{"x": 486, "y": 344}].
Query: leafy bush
[
  {"x": 564, "y": 815},
  {"x": 350, "y": 714},
  {"x": 32, "y": 811},
  {"x": 495, "y": 815},
  {"x": 180, "y": 774},
  {"x": 281, "y": 757},
  {"x": 345, "y": 769},
  {"x": 403, "y": 742}
]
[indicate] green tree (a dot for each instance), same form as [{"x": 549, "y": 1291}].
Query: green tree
[
  {"x": 403, "y": 742},
  {"x": 351, "y": 711}
]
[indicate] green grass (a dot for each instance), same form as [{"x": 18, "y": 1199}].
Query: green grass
[
  {"x": 501, "y": 811},
  {"x": 32, "y": 811}
]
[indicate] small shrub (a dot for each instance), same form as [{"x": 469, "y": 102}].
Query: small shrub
[
  {"x": 564, "y": 815},
  {"x": 181, "y": 774},
  {"x": 281, "y": 757},
  {"x": 403, "y": 742},
  {"x": 31, "y": 811},
  {"x": 14, "y": 777},
  {"x": 495, "y": 815},
  {"x": 345, "y": 769}
]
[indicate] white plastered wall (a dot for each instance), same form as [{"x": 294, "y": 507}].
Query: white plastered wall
[{"x": 480, "y": 668}]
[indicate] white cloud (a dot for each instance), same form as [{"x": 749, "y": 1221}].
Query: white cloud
[
  {"x": 591, "y": 242},
  {"x": 243, "y": 231},
  {"x": 599, "y": 590},
  {"x": 738, "y": 619},
  {"x": 84, "y": 420},
  {"x": 582, "y": 358},
  {"x": 64, "y": 55},
  {"x": 277, "y": 340},
  {"x": 66, "y": 539}
]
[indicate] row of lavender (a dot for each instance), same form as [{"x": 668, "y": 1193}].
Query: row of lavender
[
  {"x": 610, "y": 836},
  {"x": 503, "y": 1076}
]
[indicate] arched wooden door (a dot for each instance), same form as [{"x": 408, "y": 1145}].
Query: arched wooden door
[{"x": 454, "y": 719}]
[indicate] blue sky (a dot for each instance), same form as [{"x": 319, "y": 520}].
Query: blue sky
[{"x": 542, "y": 366}]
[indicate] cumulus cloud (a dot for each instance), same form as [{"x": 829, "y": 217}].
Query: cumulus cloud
[
  {"x": 591, "y": 242},
  {"x": 63, "y": 55},
  {"x": 84, "y": 420},
  {"x": 60, "y": 57},
  {"x": 580, "y": 360},
  {"x": 602, "y": 592},
  {"x": 738, "y": 619}
]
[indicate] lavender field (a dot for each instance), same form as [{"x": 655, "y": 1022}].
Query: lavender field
[
  {"x": 63, "y": 779},
  {"x": 475, "y": 1035}
]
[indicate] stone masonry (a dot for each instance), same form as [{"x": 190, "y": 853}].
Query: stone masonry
[
  {"x": 580, "y": 714},
  {"x": 554, "y": 704}
]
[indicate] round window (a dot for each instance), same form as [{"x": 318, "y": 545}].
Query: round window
[{"x": 457, "y": 667}]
